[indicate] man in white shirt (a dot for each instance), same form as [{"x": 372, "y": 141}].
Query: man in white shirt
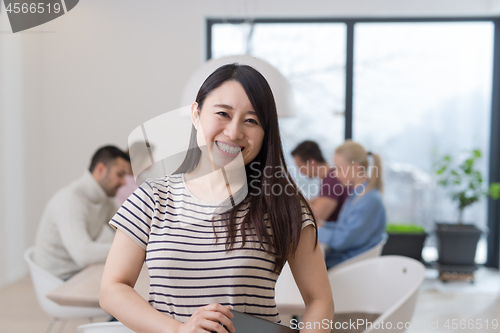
[{"x": 74, "y": 231}]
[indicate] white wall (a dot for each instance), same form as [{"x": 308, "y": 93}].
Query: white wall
[
  {"x": 91, "y": 76},
  {"x": 12, "y": 208}
]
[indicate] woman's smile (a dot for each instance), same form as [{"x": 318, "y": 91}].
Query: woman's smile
[{"x": 229, "y": 148}]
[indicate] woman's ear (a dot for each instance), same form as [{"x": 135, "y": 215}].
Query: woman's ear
[
  {"x": 195, "y": 115},
  {"x": 360, "y": 170}
]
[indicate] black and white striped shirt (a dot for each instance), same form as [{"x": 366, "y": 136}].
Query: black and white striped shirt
[{"x": 186, "y": 268}]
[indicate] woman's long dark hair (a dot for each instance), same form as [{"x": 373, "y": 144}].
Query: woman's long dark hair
[{"x": 267, "y": 171}]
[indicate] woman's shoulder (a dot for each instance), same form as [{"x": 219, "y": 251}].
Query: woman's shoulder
[
  {"x": 307, "y": 216},
  {"x": 375, "y": 194},
  {"x": 169, "y": 181},
  {"x": 371, "y": 198},
  {"x": 158, "y": 188}
]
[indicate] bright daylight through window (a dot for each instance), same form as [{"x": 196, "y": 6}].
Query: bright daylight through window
[{"x": 421, "y": 90}]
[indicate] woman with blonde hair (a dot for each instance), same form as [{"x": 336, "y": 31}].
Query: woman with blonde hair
[{"x": 362, "y": 220}]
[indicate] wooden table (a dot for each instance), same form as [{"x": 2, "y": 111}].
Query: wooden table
[{"x": 82, "y": 289}]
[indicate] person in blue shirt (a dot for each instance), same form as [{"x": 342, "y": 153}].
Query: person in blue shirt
[{"x": 362, "y": 219}]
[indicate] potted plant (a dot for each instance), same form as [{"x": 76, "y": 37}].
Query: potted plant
[
  {"x": 405, "y": 240},
  {"x": 457, "y": 243}
]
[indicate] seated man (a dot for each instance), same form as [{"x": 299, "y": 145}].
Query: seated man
[
  {"x": 327, "y": 205},
  {"x": 74, "y": 231}
]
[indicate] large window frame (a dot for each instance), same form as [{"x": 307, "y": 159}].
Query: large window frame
[{"x": 493, "y": 217}]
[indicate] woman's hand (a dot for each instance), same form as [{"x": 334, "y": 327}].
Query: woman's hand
[{"x": 209, "y": 318}]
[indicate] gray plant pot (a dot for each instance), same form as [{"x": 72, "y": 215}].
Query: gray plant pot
[
  {"x": 457, "y": 243},
  {"x": 408, "y": 245}
]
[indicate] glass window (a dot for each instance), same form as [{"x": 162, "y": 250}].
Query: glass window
[{"x": 422, "y": 90}]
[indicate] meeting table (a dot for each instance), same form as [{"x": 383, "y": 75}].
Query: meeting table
[{"x": 82, "y": 289}]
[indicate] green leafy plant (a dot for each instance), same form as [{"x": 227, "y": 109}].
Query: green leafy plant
[
  {"x": 464, "y": 181},
  {"x": 400, "y": 228}
]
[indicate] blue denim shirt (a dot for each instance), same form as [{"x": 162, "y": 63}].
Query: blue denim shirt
[{"x": 360, "y": 226}]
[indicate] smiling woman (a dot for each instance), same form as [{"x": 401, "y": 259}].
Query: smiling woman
[
  {"x": 230, "y": 122},
  {"x": 204, "y": 256}
]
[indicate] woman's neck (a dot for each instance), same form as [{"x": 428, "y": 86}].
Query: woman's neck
[
  {"x": 359, "y": 181},
  {"x": 209, "y": 182}
]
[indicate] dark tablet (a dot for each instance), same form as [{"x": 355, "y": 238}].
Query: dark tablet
[{"x": 245, "y": 323}]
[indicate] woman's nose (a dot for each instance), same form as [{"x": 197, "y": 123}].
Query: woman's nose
[{"x": 233, "y": 130}]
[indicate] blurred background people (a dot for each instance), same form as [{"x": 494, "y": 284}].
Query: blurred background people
[
  {"x": 362, "y": 219},
  {"x": 128, "y": 187},
  {"x": 73, "y": 231},
  {"x": 309, "y": 159}
]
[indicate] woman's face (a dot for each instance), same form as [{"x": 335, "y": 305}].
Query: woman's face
[
  {"x": 344, "y": 170},
  {"x": 228, "y": 125}
]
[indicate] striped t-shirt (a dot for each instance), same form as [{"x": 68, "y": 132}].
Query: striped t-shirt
[{"x": 187, "y": 269}]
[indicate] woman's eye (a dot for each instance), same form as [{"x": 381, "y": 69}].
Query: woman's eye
[
  {"x": 223, "y": 114},
  {"x": 253, "y": 121}
]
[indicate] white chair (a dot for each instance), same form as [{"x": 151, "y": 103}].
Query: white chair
[
  {"x": 374, "y": 252},
  {"x": 44, "y": 282},
  {"x": 386, "y": 285},
  {"x": 112, "y": 327},
  {"x": 287, "y": 295},
  {"x": 288, "y": 298}
]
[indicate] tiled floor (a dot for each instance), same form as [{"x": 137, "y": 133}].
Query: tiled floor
[
  {"x": 435, "y": 312},
  {"x": 472, "y": 306},
  {"x": 438, "y": 303}
]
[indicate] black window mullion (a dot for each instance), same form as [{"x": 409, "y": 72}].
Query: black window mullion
[
  {"x": 349, "y": 73},
  {"x": 208, "y": 45},
  {"x": 492, "y": 259}
]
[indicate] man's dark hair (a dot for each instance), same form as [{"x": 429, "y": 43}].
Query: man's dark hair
[
  {"x": 107, "y": 155},
  {"x": 307, "y": 150}
]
